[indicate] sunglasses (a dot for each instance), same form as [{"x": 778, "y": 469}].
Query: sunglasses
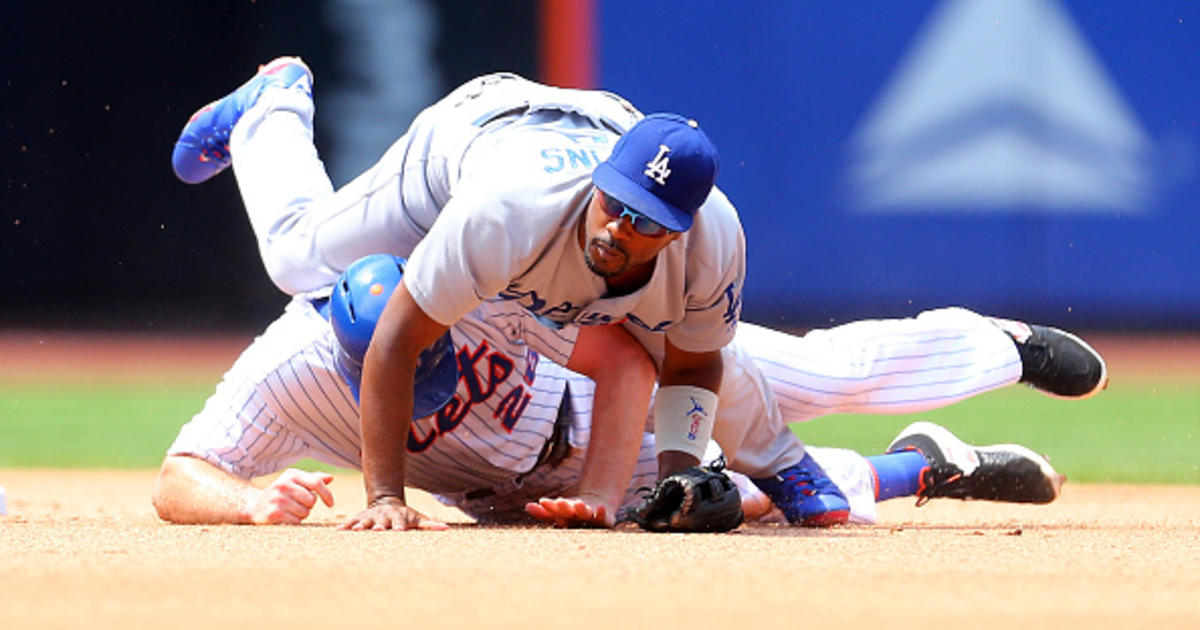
[{"x": 641, "y": 223}]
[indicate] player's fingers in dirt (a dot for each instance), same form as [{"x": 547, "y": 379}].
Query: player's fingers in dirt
[
  {"x": 390, "y": 516},
  {"x": 315, "y": 483},
  {"x": 568, "y": 512}
]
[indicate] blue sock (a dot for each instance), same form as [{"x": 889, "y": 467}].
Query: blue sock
[{"x": 897, "y": 474}]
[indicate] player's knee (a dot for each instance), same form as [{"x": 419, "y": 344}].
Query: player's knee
[{"x": 289, "y": 277}]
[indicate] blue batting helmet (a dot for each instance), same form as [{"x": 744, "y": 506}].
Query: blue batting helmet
[{"x": 355, "y": 305}]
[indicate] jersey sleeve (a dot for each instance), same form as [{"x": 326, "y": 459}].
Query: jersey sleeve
[
  {"x": 499, "y": 222},
  {"x": 716, "y": 270},
  {"x": 240, "y": 448},
  {"x": 469, "y": 255}
]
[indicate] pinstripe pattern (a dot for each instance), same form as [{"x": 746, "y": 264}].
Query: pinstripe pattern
[
  {"x": 283, "y": 401},
  {"x": 883, "y": 366}
]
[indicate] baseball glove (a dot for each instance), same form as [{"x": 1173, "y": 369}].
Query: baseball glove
[{"x": 696, "y": 499}]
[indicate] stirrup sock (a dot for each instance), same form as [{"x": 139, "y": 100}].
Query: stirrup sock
[{"x": 897, "y": 474}]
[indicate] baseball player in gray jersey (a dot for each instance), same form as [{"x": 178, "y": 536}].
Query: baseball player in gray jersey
[
  {"x": 566, "y": 203},
  {"x": 494, "y": 193},
  {"x": 504, "y": 427}
]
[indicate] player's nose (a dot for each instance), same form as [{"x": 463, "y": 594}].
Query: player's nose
[{"x": 620, "y": 227}]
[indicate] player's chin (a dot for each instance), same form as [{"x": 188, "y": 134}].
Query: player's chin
[{"x": 605, "y": 261}]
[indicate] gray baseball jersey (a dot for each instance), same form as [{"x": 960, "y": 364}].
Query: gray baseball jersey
[{"x": 482, "y": 194}]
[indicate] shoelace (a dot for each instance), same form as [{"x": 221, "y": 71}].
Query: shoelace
[
  {"x": 805, "y": 483},
  {"x": 936, "y": 479},
  {"x": 215, "y": 147}
]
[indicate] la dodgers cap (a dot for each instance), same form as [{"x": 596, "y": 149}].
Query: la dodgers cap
[{"x": 663, "y": 167}]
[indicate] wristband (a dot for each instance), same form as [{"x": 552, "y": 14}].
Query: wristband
[{"x": 683, "y": 419}]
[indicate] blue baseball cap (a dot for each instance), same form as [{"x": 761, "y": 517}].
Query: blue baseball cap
[{"x": 663, "y": 167}]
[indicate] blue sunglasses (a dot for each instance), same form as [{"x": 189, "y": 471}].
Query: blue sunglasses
[{"x": 641, "y": 223}]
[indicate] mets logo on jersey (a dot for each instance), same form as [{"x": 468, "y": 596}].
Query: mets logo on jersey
[
  {"x": 483, "y": 374},
  {"x": 659, "y": 169}
]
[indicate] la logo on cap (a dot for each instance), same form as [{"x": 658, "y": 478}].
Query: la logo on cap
[
  {"x": 673, "y": 184},
  {"x": 659, "y": 169}
]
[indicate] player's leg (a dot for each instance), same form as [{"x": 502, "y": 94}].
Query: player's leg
[
  {"x": 909, "y": 365},
  {"x": 925, "y": 461},
  {"x": 307, "y": 232}
]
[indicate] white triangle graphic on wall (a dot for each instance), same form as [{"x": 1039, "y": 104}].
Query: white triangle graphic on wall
[{"x": 1000, "y": 104}]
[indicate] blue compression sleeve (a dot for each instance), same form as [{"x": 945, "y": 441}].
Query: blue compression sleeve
[{"x": 897, "y": 474}]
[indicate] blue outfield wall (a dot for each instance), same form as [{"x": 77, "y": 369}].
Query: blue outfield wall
[{"x": 1030, "y": 158}]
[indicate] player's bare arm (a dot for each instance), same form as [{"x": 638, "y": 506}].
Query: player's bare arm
[
  {"x": 681, "y": 371},
  {"x": 189, "y": 490},
  {"x": 386, "y": 412},
  {"x": 624, "y": 375}
]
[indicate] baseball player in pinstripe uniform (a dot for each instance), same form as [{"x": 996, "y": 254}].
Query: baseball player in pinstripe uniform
[
  {"x": 504, "y": 427},
  {"x": 566, "y": 203}
]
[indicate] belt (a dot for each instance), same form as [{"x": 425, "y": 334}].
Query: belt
[{"x": 558, "y": 447}]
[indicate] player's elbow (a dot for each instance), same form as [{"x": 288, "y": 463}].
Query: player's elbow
[
  {"x": 173, "y": 493},
  {"x": 162, "y": 495}
]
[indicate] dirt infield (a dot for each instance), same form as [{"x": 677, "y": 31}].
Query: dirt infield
[{"x": 84, "y": 550}]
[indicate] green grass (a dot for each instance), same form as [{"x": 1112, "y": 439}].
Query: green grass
[
  {"x": 93, "y": 426},
  {"x": 1128, "y": 434}
]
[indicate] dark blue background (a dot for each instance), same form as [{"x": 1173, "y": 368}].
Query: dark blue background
[{"x": 780, "y": 86}]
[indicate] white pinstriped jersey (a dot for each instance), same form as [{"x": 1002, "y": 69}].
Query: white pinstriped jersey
[
  {"x": 890, "y": 366},
  {"x": 283, "y": 400}
]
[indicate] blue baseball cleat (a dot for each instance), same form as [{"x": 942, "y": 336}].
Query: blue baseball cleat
[
  {"x": 805, "y": 495},
  {"x": 202, "y": 150}
]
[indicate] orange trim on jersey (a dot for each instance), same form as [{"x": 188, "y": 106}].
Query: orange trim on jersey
[
  {"x": 567, "y": 53},
  {"x": 874, "y": 477}
]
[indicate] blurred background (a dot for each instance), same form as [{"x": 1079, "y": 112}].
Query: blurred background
[{"x": 1027, "y": 158}]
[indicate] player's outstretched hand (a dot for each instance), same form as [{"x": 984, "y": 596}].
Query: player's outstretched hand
[
  {"x": 571, "y": 512},
  {"x": 391, "y": 513},
  {"x": 291, "y": 497}
]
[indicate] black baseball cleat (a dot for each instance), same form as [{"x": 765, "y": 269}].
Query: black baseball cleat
[
  {"x": 957, "y": 470},
  {"x": 1055, "y": 361}
]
